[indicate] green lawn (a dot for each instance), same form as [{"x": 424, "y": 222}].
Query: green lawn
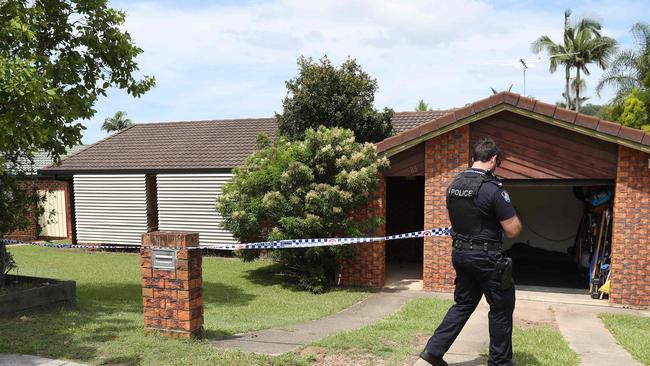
[
  {"x": 632, "y": 332},
  {"x": 107, "y": 326}
]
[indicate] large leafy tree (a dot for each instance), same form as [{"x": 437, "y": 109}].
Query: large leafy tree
[
  {"x": 57, "y": 57},
  {"x": 118, "y": 122},
  {"x": 581, "y": 46},
  {"x": 630, "y": 110},
  {"x": 635, "y": 113},
  {"x": 304, "y": 189},
  {"x": 324, "y": 95}
]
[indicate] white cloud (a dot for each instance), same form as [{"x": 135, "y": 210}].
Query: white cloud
[{"x": 217, "y": 61}]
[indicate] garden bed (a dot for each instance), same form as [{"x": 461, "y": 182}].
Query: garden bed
[{"x": 24, "y": 293}]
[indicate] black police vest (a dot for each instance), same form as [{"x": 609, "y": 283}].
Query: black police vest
[{"x": 467, "y": 222}]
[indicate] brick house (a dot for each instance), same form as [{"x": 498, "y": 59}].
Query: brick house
[
  {"x": 547, "y": 151},
  {"x": 172, "y": 172}
]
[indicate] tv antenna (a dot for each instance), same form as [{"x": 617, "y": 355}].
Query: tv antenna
[{"x": 525, "y": 62}]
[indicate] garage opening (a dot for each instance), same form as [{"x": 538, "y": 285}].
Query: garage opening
[
  {"x": 566, "y": 233},
  {"x": 404, "y": 213}
]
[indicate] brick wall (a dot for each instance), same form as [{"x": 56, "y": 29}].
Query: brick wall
[
  {"x": 172, "y": 298},
  {"x": 33, "y": 185},
  {"x": 370, "y": 266},
  {"x": 630, "y": 278},
  {"x": 445, "y": 156}
]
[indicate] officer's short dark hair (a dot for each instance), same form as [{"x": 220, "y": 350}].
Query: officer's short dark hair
[{"x": 485, "y": 149}]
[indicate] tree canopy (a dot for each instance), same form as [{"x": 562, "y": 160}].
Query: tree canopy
[
  {"x": 629, "y": 75},
  {"x": 631, "y": 66},
  {"x": 422, "y": 106},
  {"x": 57, "y": 57},
  {"x": 324, "y": 95}
]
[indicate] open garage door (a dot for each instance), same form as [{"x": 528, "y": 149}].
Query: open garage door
[{"x": 554, "y": 249}]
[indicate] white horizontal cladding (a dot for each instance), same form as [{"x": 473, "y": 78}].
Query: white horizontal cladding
[
  {"x": 186, "y": 202},
  {"x": 110, "y": 208}
]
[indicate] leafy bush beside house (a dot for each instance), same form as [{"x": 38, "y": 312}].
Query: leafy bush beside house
[{"x": 304, "y": 189}]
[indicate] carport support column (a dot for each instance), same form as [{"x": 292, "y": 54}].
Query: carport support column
[
  {"x": 445, "y": 156},
  {"x": 172, "y": 285},
  {"x": 630, "y": 277}
]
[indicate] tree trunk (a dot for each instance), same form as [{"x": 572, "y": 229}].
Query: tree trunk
[
  {"x": 578, "y": 89},
  {"x": 3, "y": 262},
  {"x": 567, "y": 75}
]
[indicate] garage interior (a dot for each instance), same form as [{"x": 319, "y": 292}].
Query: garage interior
[{"x": 546, "y": 253}]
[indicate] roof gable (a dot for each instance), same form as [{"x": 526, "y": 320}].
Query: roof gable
[{"x": 537, "y": 110}]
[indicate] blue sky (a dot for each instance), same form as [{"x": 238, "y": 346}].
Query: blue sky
[{"x": 230, "y": 59}]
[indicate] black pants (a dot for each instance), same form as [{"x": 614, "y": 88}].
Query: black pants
[{"x": 474, "y": 269}]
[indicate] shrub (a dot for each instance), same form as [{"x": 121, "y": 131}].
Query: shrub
[{"x": 304, "y": 189}]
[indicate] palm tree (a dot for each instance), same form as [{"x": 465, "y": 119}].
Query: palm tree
[
  {"x": 589, "y": 47},
  {"x": 582, "y": 44},
  {"x": 422, "y": 106},
  {"x": 558, "y": 53},
  {"x": 117, "y": 122},
  {"x": 629, "y": 68}
]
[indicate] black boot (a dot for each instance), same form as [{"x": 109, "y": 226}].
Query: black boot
[{"x": 433, "y": 360}]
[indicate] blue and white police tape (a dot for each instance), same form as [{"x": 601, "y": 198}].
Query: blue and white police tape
[
  {"x": 320, "y": 242},
  {"x": 276, "y": 244}
]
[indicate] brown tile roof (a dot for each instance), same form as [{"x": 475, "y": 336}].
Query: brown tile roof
[
  {"x": 172, "y": 146},
  {"x": 403, "y": 121},
  {"x": 224, "y": 144},
  {"x": 599, "y": 128},
  {"x": 218, "y": 144}
]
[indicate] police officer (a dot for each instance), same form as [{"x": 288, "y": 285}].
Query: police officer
[{"x": 480, "y": 212}]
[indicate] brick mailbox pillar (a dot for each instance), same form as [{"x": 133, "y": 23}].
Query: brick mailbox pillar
[{"x": 172, "y": 284}]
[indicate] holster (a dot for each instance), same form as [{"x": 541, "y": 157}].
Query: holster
[{"x": 503, "y": 273}]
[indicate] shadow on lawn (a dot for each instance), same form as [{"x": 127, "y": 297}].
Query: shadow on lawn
[
  {"x": 271, "y": 275},
  {"x": 220, "y": 294},
  {"x": 526, "y": 359},
  {"x": 104, "y": 311}
]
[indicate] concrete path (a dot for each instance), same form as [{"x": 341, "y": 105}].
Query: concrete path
[
  {"x": 587, "y": 335},
  {"x": 276, "y": 341},
  {"x": 13, "y": 360}
]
